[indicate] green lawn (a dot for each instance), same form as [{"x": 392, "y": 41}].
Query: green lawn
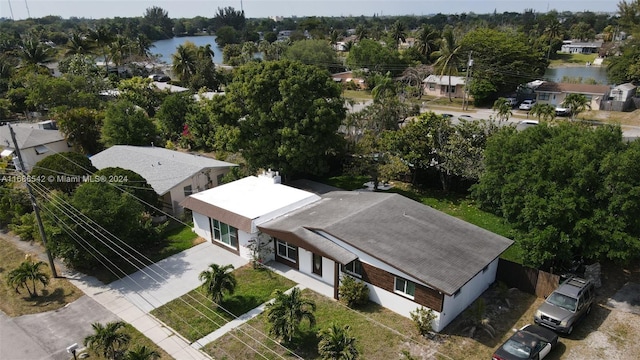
[
  {"x": 193, "y": 315},
  {"x": 380, "y": 334},
  {"x": 178, "y": 238},
  {"x": 560, "y": 60},
  {"x": 357, "y": 95},
  {"x": 347, "y": 182}
]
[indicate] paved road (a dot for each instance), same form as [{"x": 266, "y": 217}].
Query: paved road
[{"x": 45, "y": 336}]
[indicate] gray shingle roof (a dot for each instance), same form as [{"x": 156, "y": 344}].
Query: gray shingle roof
[
  {"x": 28, "y": 135},
  {"x": 440, "y": 250},
  {"x": 162, "y": 168}
]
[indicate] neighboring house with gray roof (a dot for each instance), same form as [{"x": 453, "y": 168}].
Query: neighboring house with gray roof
[
  {"x": 36, "y": 141},
  {"x": 173, "y": 175},
  {"x": 408, "y": 254},
  {"x": 441, "y": 86}
]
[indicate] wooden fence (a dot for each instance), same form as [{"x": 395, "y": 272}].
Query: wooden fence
[{"x": 532, "y": 281}]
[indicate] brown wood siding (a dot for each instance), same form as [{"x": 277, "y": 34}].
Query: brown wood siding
[{"x": 385, "y": 280}]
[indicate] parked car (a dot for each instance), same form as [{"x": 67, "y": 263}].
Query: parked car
[
  {"x": 524, "y": 124},
  {"x": 512, "y": 101},
  {"x": 446, "y": 116},
  {"x": 527, "y": 104},
  {"x": 530, "y": 342},
  {"x": 567, "y": 305},
  {"x": 465, "y": 117},
  {"x": 562, "y": 111},
  {"x": 159, "y": 77}
]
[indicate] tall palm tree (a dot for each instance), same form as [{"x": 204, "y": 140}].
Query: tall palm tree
[
  {"x": 576, "y": 103},
  {"x": 337, "y": 344},
  {"x": 398, "y": 32},
  {"x": 78, "y": 44},
  {"x": 33, "y": 52},
  {"x": 107, "y": 339},
  {"x": 427, "y": 40},
  {"x": 287, "y": 312},
  {"x": 503, "y": 107},
  {"x": 184, "y": 62},
  {"x": 141, "y": 46},
  {"x": 449, "y": 57},
  {"x": 142, "y": 353},
  {"x": 385, "y": 86},
  {"x": 102, "y": 37},
  {"x": 206, "y": 51},
  {"x": 553, "y": 30},
  {"x": 361, "y": 32},
  {"x": 119, "y": 50},
  {"x": 543, "y": 111},
  {"x": 218, "y": 280},
  {"x": 27, "y": 275}
]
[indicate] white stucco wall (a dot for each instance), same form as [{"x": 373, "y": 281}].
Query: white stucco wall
[
  {"x": 305, "y": 262},
  {"x": 201, "y": 226},
  {"x": 199, "y": 182},
  {"x": 453, "y": 306},
  {"x": 30, "y": 157}
]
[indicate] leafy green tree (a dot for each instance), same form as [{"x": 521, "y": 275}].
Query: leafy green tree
[
  {"x": 624, "y": 68},
  {"x": 48, "y": 92},
  {"x": 81, "y": 127},
  {"x": 142, "y": 353},
  {"x": 501, "y": 61},
  {"x": 546, "y": 112},
  {"x": 548, "y": 182},
  {"x": 133, "y": 183},
  {"x": 503, "y": 107},
  {"x": 449, "y": 57},
  {"x": 227, "y": 35},
  {"x": 287, "y": 312},
  {"x": 108, "y": 340},
  {"x": 27, "y": 276},
  {"x": 398, "y": 32},
  {"x": 140, "y": 92},
  {"x": 290, "y": 115},
  {"x": 313, "y": 52},
  {"x": 159, "y": 19},
  {"x": 370, "y": 54},
  {"x": 14, "y": 202},
  {"x": 205, "y": 76},
  {"x": 577, "y": 103},
  {"x": 336, "y": 343},
  {"x": 126, "y": 124},
  {"x": 229, "y": 16},
  {"x": 172, "y": 114},
  {"x": 361, "y": 32},
  {"x": 217, "y": 281},
  {"x": 69, "y": 165}
]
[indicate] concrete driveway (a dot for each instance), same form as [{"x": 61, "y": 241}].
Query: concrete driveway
[{"x": 45, "y": 336}]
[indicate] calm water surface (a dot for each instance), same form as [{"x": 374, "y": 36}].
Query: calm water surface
[
  {"x": 166, "y": 48},
  {"x": 599, "y": 73}
]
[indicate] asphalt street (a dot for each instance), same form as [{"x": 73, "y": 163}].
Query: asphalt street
[{"x": 46, "y": 336}]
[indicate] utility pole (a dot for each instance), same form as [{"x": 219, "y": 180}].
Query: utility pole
[
  {"x": 33, "y": 203},
  {"x": 465, "y": 98}
]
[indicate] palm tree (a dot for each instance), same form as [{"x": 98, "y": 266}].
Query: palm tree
[
  {"x": 385, "y": 86},
  {"x": 398, "y": 32},
  {"x": 78, "y": 44},
  {"x": 184, "y": 62},
  {"x": 107, "y": 339},
  {"x": 27, "y": 275},
  {"x": 206, "y": 52},
  {"x": 449, "y": 57},
  {"x": 543, "y": 111},
  {"x": 427, "y": 40},
  {"x": 119, "y": 49},
  {"x": 287, "y": 312},
  {"x": 361, "y": 32},
  {"x": 33, "y": 52},
  {"x": 141, "y": 46},
  {"x": 336, "y": 344},
  {"x": 552, "y": 31},
  {"x": 218, "y": 280},
  {"x": 576, "y": 103},
  {"x": 503, "y": 107},
  {"x": 102, "y": 37},
  {"x": 142, "y": 353}
]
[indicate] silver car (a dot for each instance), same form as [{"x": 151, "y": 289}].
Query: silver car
[{"x": 567, "y": 305}]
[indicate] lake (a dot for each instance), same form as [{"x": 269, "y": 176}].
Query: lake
[
  {"x": 166, "y": 48},
  {"x": 599, "y": 73}
]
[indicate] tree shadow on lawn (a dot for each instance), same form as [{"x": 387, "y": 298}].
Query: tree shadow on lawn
[
  {"x": 240, "y": 304},
  {"x": 306, "y": 343},
  {"x": 45, "y": 297}
]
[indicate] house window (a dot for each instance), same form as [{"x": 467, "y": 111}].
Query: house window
[
  {"x": 225, "y": 233},
  {"x": 188, "y": 190},
  {"x": 453, "y": 89},
  {"x": 588, "y": 97},
  {"x": 353, "y": 268},
  {"x": 543, "y": 96},
  {"x": 287, "y": 251},
  {"x": 432, "y": 86},
  {"x": 405, "y": 287}
]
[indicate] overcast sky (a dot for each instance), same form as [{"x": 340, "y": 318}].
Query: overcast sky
[{"x": 265, "y": 8}]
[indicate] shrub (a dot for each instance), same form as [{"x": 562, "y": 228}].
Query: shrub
[
  {"x": 423, "y": 318},
  {"x": 353, "y": 292}
]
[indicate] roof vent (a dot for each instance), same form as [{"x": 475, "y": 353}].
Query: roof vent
[{"x": 272, "y": 177}]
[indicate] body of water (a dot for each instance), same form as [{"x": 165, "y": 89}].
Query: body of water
[
  {"x": 599, "y": 73},
  {"x": 166, "y": 48}
]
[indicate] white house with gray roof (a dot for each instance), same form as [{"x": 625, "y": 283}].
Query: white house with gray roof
[
  {"x": 173, "y": 175},
  {"x": 408, "y": 254},
  {"x": 35, "y": 141}
]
